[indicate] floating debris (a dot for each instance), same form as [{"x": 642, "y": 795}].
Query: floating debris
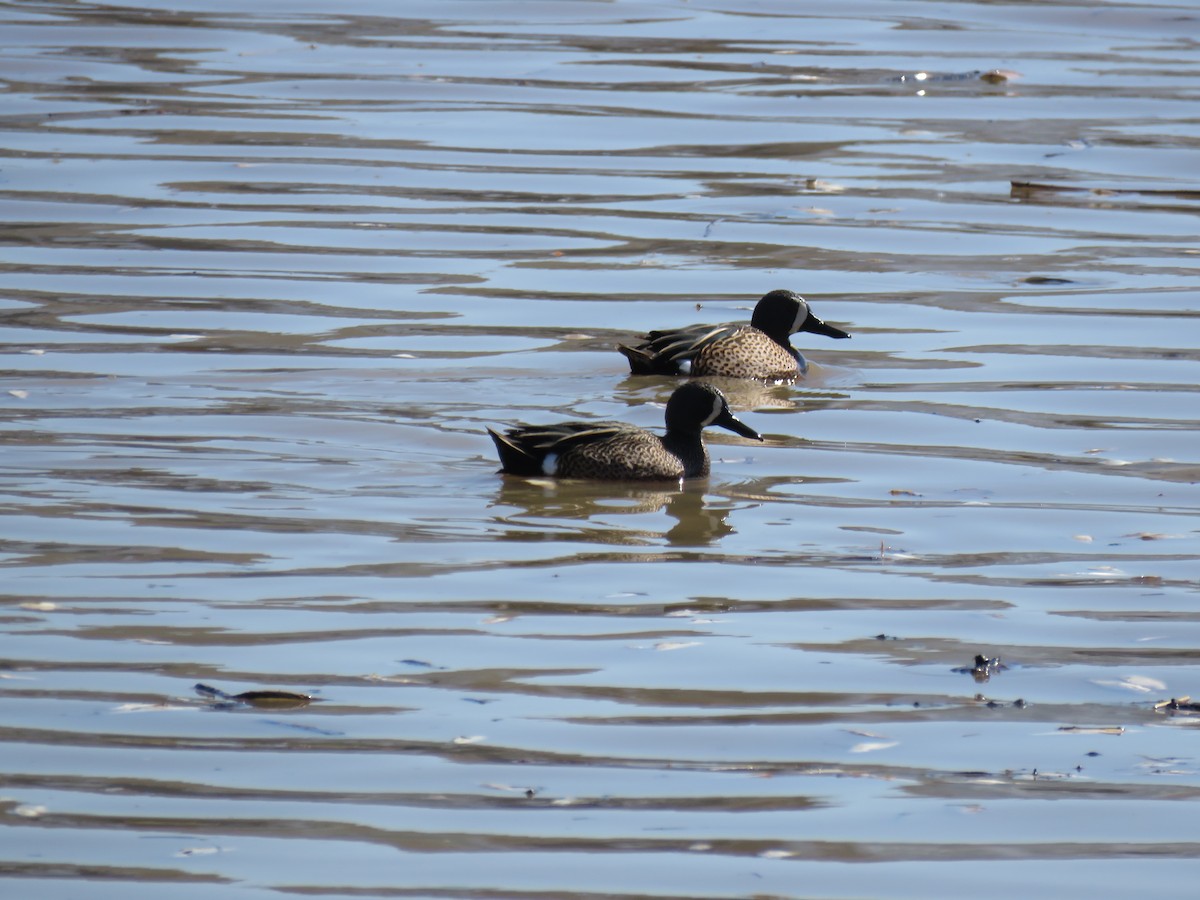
[
  {"x": 1027, "y": 188},
  {"x": 991, "y": 76},
  {"x": 872, "y": 746},
  {"x": 1178, "y": 705},
  {"x": 1092, "y": 729},
  {"x": 1000, "y": 704},
  {"x": 1140, "y": 684},
  {"x": 197, "y": 851},
  {"x": 825, "y": 187},
  {"x": 529, "y": 792},
  {"x": 983, "y": 668},
  {"x": 148, "y": 707},
  {"x": 998, "y": 76},
  {"x": 258, "y": 699}
]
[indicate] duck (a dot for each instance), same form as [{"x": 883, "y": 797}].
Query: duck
[
  {"x": 760, "y": 350},
  {"x": 615, "y": 451}
]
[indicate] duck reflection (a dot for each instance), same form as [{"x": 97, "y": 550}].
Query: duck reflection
[
  {"x": 542, "y": 508},
  {"x": 741, "y": 393}
]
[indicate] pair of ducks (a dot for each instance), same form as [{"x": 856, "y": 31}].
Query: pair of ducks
[{"x": 613, "y": 451}]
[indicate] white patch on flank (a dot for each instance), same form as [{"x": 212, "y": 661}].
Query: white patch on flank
[
  {"x": 801, "y": 315},
  {"x": 716, "y": 411},
  {"x": 550, "y": 464},
  {"x": 685, "y": 367}
]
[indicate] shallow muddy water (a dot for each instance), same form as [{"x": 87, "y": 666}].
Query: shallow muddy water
[{"x": 266, "y": 275}]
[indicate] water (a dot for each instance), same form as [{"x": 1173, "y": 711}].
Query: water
[{"x": 267, "y": 275}]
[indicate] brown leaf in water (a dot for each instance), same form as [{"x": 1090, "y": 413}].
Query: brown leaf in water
[
  {"x": 999, "y": 76},
  {"x": 259, "y": 699},
  {"x": 273, "y": 699}
]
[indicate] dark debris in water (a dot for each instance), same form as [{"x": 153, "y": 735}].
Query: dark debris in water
[
  {"x": 1182, "y": 705},
  {"x": 1000, "y": 704},
  {"x": 983, "y": 668},
  {"x": 257, "y": 699},
  {"x": 1031, "y": 188}
]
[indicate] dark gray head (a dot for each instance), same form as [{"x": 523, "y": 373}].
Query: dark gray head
[
  {"x": 782, "y": 313},
  {"x": 697, "y": 405}
]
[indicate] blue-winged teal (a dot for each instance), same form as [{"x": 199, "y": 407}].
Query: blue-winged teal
[
  {"x": 614, "y": 451},
  {"x": 761, "y": 349}
]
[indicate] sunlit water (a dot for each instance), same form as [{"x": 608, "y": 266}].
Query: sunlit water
[{"x": 269, "y": 270}]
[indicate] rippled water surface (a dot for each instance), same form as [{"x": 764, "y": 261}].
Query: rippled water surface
[{"x": 267, "y": 271}]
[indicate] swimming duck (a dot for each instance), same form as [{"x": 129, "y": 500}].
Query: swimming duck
[
  {"x": 761, "y": 349},
  {"x": 614, "y": 451}
]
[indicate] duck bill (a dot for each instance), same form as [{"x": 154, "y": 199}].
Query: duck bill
[
  {"x": 736, "y": 425},
  {"x": 816, "y": 326}
]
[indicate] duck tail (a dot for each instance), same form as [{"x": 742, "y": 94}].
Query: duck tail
[
  {"x": 643, "y": 363},
  {"x": 514, "y": 459}
]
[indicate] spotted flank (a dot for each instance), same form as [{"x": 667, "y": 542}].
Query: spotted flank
[
  {"x": 760, "y": 350},
  {"x": 614, "y": 451}
]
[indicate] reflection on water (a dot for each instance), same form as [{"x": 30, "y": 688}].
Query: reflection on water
[
  {"x": 268, "y": 274},
  {"x": 679, "y": 516}
]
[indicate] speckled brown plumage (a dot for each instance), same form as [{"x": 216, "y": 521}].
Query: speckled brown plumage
[
  {"x": 761, "y": 350},
  {"x": 614, "y": 451}
]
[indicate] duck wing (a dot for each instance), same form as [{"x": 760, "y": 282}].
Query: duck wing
[
  {"x": 523, "y": 450},
  {"x": 671, "y": 352}
]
